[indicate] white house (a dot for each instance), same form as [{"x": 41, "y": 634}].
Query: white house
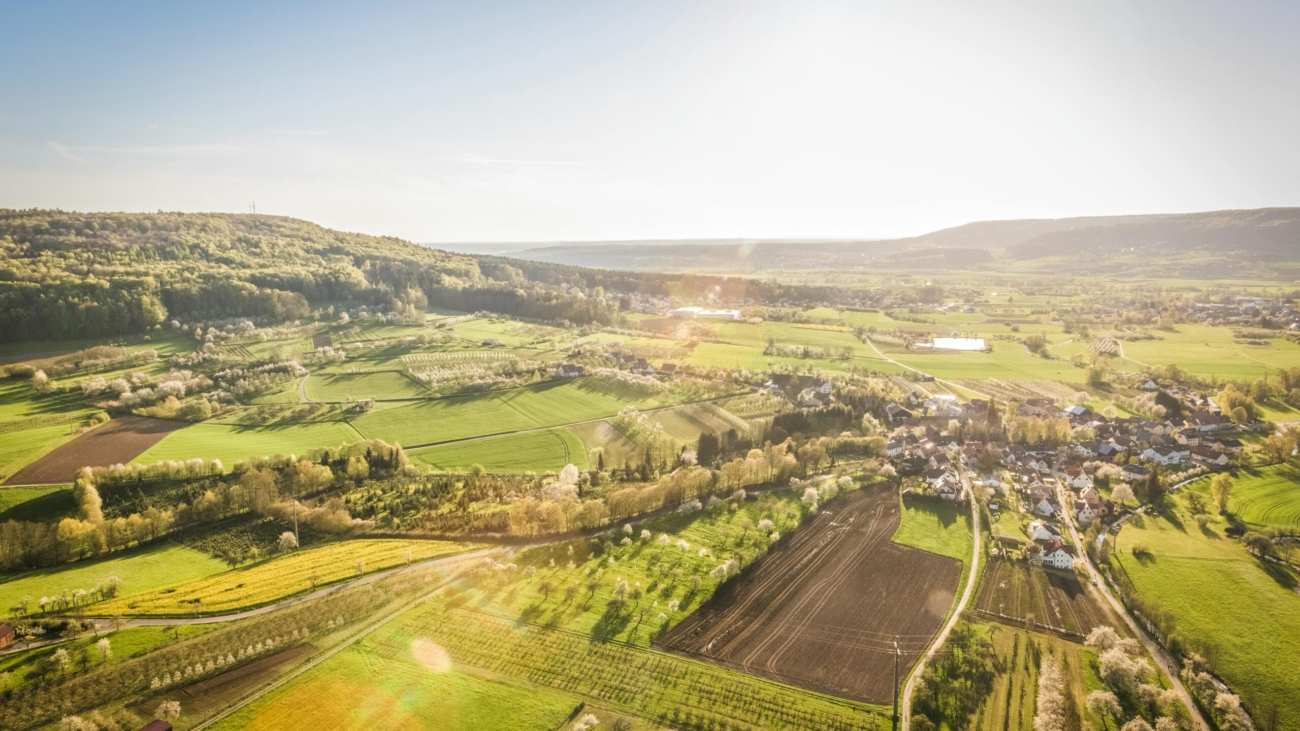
[
  {"x": 1084, "y": 513},
  {"x": 1041, "y": 530},
  {"x": 1056, "y": 554}
]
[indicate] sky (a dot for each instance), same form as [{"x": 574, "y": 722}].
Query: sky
[{"x": 565, "y": 121}]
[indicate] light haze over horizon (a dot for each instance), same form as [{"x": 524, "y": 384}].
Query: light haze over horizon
[{"x": 570, "y": 121}]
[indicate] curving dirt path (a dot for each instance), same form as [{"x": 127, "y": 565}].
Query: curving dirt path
[
  {"x": 905, "y": 707},
  {"x": 950, "y": 384}
]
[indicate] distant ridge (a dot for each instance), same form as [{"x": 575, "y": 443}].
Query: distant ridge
[{"x": 1235, "y": 238}]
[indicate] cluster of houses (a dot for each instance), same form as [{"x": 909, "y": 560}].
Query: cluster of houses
[
  {"x": 808, "y": 392},
  {"x": 1031, "y": 472}
]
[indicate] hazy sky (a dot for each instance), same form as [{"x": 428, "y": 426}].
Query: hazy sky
[{"x": 482, "y": 121}]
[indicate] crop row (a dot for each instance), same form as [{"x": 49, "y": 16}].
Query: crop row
[
  {"x": 280, "y": 577},
  {"x": 672, "y": 691},
  {"x": 457, "y": 356}
]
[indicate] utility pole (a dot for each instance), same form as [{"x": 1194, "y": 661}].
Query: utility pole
[{"x": 895, "y": 717}]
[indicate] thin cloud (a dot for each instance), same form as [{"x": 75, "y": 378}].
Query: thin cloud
[{"x": 65, "y": 153}]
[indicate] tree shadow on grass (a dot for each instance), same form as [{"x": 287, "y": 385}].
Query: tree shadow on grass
[
  {"x": 1281, "y": 575},
  {"x": 611, "y": 623}
]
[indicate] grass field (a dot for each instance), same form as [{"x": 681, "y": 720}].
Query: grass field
[
  {"x": 335, "y": 386},
  {"x": 18, "y": 448},
  {"x": 124, "y": 643},
  {"x": 232, "y": 442},
  {"x": 936, "y": 526},
  {"x": 1221, "y": 596},
  {"x": 417, "y": 689},
  {"x": 1264, "y": 496},
  {"x": 279, "y": 577},
  {"x": 46, "y": 504},
  {"x": 140, "y": 570},
  {"x": 490, "y": 413},
  {"x": 540, "y": 451},
  {"x": 1210, "y": 351}
]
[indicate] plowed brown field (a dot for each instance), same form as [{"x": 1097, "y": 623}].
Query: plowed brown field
[
  {"x": 1020, "y": 594},
  {"x": 824, "y": 610},
  {"x": 119, "y": 441}
]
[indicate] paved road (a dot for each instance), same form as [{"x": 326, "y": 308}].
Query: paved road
[
  {"x": 905, "y": 707},
  {"x": 302, "y": 390},
  {"x": 1098, "y": 585}
]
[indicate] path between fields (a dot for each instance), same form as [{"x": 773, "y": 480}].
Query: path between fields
[
  {"x": 1098, "y": 585},
  {"x": 298, "y": 671},
  {"x": 905, "y": 708},
  {"x": 368, "y": 579},
  {"x": 917, "y": 370},
  {"x": 302, "y": 389}
]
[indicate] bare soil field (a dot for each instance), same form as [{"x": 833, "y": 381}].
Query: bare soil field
[
  {"x": 1048, "y": 599},
  {"x": 823, "y": 610},
  {"x": 119, "y": 441}
]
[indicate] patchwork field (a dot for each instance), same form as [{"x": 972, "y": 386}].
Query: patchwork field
[
  {"x": 1242, "y": 612},
  {"x": 937, "y": 526},
  {"x": 498, "y": 412},
  {"x": 232, "y": 442},
  {"x": 539, "y": 451},
  {"x": 117, "y": 442},
  {"x": 663, "y": 689},
  {"x": 822, "y": 610},
  {"x": 1030, "y": 596},
  {"x": 140, "y": 570},
  {"x": 278, "y": 578}
]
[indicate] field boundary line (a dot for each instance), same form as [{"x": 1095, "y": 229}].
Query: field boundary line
[
  {"x": 429, "y": 445},
  {"x": 905, "y": 707},
  {"x": 310, "y": 664},
  {"x": 950, "y": 384}
]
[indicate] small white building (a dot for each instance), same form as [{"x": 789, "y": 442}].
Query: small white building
[{"x": 701, "y": 313}]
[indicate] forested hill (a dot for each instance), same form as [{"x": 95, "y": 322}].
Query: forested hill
[{"x": 78, "y": 275}]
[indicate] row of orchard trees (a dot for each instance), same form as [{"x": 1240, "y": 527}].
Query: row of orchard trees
[
  {"x": 266, "y": 485},
  {"x": 167, "y": 668},
  {"x": 557, "y": 510}
]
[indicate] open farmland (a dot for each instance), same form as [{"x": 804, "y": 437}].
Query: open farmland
[
  {"x": 230, "y": 442},
  {"x": 117, "y": 442},
  {"x": 335, "y": 386},
  {"x": 280, "y": 577},
  {"x": 1031, "y": 596},
  {"x": 496, "y": 412},
  {"x": 538, "y": 451},
  {"x": 1011, "y": 705},
  {"x": 822, "y": 611},
  {"x": 140, "y": 570},
  {"x": 531, "y": 666},
  {"x": 1231, "y": 607},
  {"x": 1264, "y": 496}
]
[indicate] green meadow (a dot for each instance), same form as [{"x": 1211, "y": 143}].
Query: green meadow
[
  {"x": 1220, "y": 596},
  {"x": 1263, "y": 496},
  {"x": 539, "y": 451},
  {"x": 140, "y": 570}
]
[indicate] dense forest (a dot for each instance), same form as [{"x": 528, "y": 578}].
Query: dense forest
[{"x": 79, "y": 275}]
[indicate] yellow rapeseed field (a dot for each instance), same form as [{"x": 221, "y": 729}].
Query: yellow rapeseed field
[{"x": 280, "y": 577}]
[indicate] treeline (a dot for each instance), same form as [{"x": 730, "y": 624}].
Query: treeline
[
  {"x": 124, "y": 506},
  {"x": 74, "y": 275},
  {"x": 685, "y": 286}
]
